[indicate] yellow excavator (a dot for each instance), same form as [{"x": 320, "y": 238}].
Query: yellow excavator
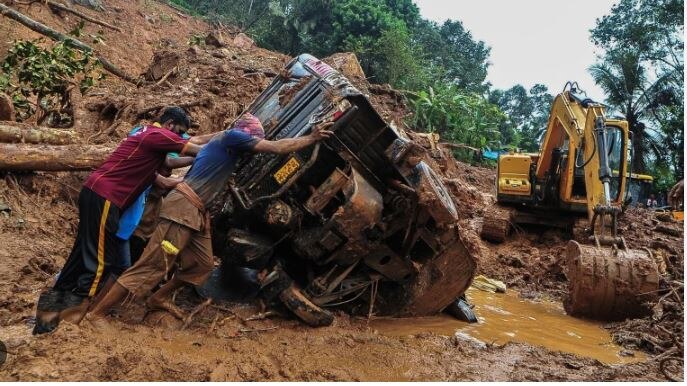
[{"x": 581, "y": 170}]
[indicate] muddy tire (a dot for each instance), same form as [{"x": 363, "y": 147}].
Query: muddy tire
[
  {"x": 304, "y": 309},
  {"x": 433, "y": 194}
]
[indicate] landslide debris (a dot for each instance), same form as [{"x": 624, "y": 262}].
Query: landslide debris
[{"x": 38, "y": 220}]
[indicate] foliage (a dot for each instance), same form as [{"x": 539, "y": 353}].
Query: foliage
[
  {"x": 31, "y": 72},
  {"x": 196, "y": 40},
  {"x": 642, "y": 71},
  {"x": 528, "y": 114},
  {"x": 455, "y": 56},
  {"x": 457, "y": 115},
  {"x": 394, "y": 44},
  {"x": 440, "y": 64}
]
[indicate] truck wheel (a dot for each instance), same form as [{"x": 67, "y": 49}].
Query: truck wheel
[{"x": 304, "y": 309}]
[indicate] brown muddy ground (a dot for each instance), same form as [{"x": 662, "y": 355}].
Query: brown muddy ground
[{"x": 37, "y": 230}]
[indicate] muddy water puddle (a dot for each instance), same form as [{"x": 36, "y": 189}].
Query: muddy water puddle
[{"x": 508, "y": 318}]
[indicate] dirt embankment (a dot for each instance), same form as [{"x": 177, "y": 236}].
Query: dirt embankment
[{"x": 38, "y": 222}]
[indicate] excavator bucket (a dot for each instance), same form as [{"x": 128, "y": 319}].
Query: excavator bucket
[{"x": 608, "y": 283}]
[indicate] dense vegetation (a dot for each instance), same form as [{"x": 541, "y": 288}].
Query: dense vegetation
[
  {"x": 441, "y": 66},
  {"x": 642, "y": 72},
  {"x": 39, "y": 79}
]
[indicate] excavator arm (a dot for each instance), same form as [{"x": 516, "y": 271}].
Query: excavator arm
[{"x": 605, "y": 149}]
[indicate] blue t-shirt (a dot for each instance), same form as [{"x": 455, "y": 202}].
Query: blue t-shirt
[{"x": 215, "y": 162}]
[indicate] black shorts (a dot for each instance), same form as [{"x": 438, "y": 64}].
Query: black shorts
[{"x": 96, "y": 253}]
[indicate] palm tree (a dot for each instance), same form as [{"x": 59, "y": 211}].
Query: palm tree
[{"x": 623, "y": 77}]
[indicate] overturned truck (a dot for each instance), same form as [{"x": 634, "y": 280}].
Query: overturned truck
[{"x": 358, "y": 222}]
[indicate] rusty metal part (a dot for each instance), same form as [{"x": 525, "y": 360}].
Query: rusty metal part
[
  {"x": 391, "y": 265},
  {"x": 439, "y": 281},
  {"x": 326, "y": 191},
  {"x": 609, "y": 283},
  {"x": 362, "y": 210},
  {"x": 306, "y": 310},
  {"x": 279, "y": 213},
  {"x": 433, "y": 195}
]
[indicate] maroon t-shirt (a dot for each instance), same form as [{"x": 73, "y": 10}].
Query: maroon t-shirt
[{"x": 132, "y": 166}]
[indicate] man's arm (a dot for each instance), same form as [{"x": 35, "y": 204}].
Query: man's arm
[
  {"x": 190, "y": 148},
  {"x": 202, "y": 139},
  {"x": 178, "y": 162},
  {"x": 289, "y": 145},
  {"x": 167, "y": 182}
]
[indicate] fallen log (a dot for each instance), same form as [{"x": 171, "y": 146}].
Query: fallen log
[
  {"x": 668, "y": 230},
  {"x": 6, "y": 108},
  {"x": 11, "y": 132},
  {"x": 51, "y": 33},
  {"x": 63, "y": 7},
  {"x": 22, "y": 157}
]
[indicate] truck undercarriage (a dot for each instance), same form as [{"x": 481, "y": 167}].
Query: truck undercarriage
[{"x": 357, "y": 222}]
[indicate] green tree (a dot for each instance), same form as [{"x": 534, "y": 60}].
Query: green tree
[
  {"x": 641, "y": 72},
  {"x": 527, "y": 112},
  {"x": 453, "y": 54},
  {"x": 457, "y": 115}
]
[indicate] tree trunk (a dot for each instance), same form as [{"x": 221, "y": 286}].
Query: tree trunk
[
  {"x": 51, "y": 33},
  {"x": 6, "y": 108},
  {"x": 639, "y": 150},
  {"x": 21, "y": 157},
  {"x": 81, "y": 15},
  {"x": 11, "y": 132}
]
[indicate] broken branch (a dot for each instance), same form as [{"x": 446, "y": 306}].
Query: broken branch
[
  {"x": 51, "y": 33},
  {"x": 164, "y": 78},
  {"x": 668, "y": 230},
  {"x": 63, "y": 7},
  {"x": 195, "y": 311}
]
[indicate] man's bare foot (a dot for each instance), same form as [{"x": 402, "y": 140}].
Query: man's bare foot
[
  {"x": 165, "y": 305},
  {"x": 75, "y": 313},
  {"x": 98, "y": 322}
]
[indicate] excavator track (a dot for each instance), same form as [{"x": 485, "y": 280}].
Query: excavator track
[{"x": 497, "y": 224}]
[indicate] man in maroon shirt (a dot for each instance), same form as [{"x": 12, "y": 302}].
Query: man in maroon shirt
[{"x": 107, "y": 192}]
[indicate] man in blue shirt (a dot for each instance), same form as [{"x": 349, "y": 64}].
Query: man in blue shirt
[{"x": 183, "y": 234}]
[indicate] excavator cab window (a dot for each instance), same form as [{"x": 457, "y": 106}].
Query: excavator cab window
[{"x": 615, "y": 139}]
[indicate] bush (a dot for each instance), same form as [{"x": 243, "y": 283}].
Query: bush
[
  {"x": 457, "y": 115},
  {"x": 30, "y": 72}
]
